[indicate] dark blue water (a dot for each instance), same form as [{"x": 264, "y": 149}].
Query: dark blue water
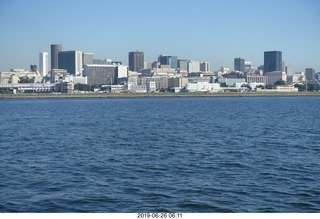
[{"x": 241, "y": 154}]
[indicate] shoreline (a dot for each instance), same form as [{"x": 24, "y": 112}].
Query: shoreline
[{"x": 154, "y": 95}]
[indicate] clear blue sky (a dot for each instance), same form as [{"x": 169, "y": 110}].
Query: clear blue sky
[{"x": 204, "y": 30}]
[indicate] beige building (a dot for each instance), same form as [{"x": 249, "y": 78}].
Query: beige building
[
  {"x": 14, "y": 76},
  {"x": 257, "y": 79},
  {"x": 177, "y": 82}
]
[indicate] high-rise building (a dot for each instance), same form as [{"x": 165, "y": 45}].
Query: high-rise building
[
  {"x": 317, "y": 77},
  {"x": 55, "y": 49},
  {"x": 43, "y": 64},
  {"x": 205, "y": 66},
  {"x": 193, "y": 66},
  {"x": 136, "y": 61},
  {"x": 239, "y": 64},
  {"x": 288, "y": 70},
  {"x": 168, "y": 60},
  {"x": 310, "y": 74},
  {"x": 183, "y": 65},
  {"x": 272, "y": 61},
  {"x": 87, "y": 58},
  {"x": 71, "y": 61},
  {"x": 33, "y": 68},
  {"x": 147, "y": 65},
  {"x": 155, "y": 64},
  {"x": 101, "y": 74}
]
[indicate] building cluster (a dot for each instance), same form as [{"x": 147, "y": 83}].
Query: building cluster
[{"x": 166, "y": 74}]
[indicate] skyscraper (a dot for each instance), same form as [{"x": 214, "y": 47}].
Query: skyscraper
[
  {"x": 239, "y": 64},
  {"x": 272, "y": 61},
  {"x": 193, "y": 66},
  {"x": 71, "y": 61},
  {"x": 169, "y": 60},
  {"x": 136, "y": 61},
  {"x": 87, "y": 58},
  {"x": 55, "y": 49},
  {"x": 183, "y": 65},
  {"x": 310, "y": 74},
  {"x": 43, "y": 63},
  {"x": 205, "y": 66}
]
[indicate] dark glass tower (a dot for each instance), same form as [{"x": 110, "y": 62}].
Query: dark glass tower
[
  {"x": 71, "y": 61},
  {"x": 136, "y": 61},
  {"x": 272, "y": 61},
  {"x": 239, "y": 64},
  {"x": 55, "y": 49}
]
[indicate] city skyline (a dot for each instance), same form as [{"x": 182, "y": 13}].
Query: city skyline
[{"x": 211, "y": 31}]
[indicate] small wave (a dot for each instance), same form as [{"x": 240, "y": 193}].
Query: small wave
[
  {"x": 203, "y": 207},
  {"x": 300, "y": 204}
]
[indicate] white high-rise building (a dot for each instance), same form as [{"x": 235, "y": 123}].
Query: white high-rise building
[
  {"x": 193, "y": 66},
  {"x": 43, "y": 64}
]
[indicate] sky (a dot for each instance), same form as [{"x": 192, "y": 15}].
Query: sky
[{"x": 204, "y": 30}]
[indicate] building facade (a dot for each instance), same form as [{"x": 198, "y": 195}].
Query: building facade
[
  {"x": 275, "y": 76},
  {"x": 205, "y": 66},
  {"x": 71, "y": 61},
  {"x": 169, "y": 60},
  {"x": 58, "y": 74},
  {"x": 239, "y": 64},
  {"x": 33, "y": 68},
  {"x": 231, "y": 81},
  {"x": 183, "y": 65},
  {"x": 136, "y": 61},
  {"x": 202, "y": 86},
  {"x": 272, "y": 61},
  {"x": 193, "y": 66},
  {"x": 310, "y": 74},
  {"x": 257, "y": 79},
  {"x": 43, "y": 64},
  {"x": 87, "y": 58},
  {"x": 101, "y": 74},
  {"x": 55, "y": 49}
]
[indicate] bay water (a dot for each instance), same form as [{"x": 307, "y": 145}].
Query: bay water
[{"x": 228, "y": 154}]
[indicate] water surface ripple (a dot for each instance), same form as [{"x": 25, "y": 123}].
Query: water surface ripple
[{"x": 235, "y": 154}]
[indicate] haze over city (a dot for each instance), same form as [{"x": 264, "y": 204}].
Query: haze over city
[{"x": 214, "y": 31}]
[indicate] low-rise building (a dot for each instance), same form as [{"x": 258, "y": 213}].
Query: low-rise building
[
  {"x": 14, "y": 76},
  {"x": 177, "y": 82},
  {"x": 285, "y": 89},
  {"x": 202, "y": 86},
  {"x": 299, "y": 78},
  {"x": 151, "y": 86},
  {"x": 66, "y": 87},
  {"x": 112, "y": 88},
  {"x": 58, "y": 75},
  {"x": 254, "y": 78},
  {"x": 26, "y": 88},
  {"x": 254, "y": 85},
  {"x": 138, "y": 88},
  {"x": 275, "y": 76},
  {"x": 231, "y": 81}
]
